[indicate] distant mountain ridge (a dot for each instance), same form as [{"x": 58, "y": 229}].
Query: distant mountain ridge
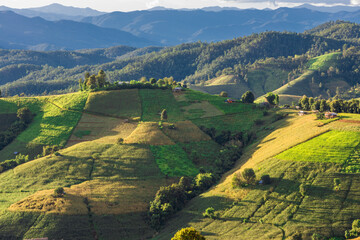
[
  {"x": 19, "y": 32},
  {"x": 55, "y": 12},
  {"x": 171, "y": 27}
]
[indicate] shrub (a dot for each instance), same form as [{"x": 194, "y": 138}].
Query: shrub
[
  {"x": 317, "y": 236},
  {"x": 210, "y": 213},
  {"x": 337, "y": 184},
  {"x": 236, "y": 181},
  {"x": 320, "y": 116},
  {"x": 266, "y": 179},
  {"x": 204, "y": 180},
  {"x": 189, "y": 233},
  {"x": 248, "y": 97},
  {"x": 25, "y": 115},
  {"x": 172, "y": 126},
  {"x": 223, "y": 94},
  {"x": 120, "y": 141},
  {"x": 59, "y": 192},
  {"x": 249, "y": 175}
]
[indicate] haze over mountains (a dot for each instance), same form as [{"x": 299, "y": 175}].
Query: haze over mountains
[{"x": 83, "y": 28}]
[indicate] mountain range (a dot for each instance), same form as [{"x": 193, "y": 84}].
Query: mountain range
[{"x": 78, "y": 28}]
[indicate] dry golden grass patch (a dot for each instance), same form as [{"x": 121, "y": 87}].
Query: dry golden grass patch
[
  {"x": 102, "y": 129},
  {"x": 148, "y": 133},
  {"x": 294, "y": 130},
  {"x": 185, "y": 132},
  {"x": 119, "y": 197},
  {"x": 44, "y": 201},
  {"x": 203, "y": 108}
]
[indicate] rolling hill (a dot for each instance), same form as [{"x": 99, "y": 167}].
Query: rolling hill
[{"x": 109, "y": 185}]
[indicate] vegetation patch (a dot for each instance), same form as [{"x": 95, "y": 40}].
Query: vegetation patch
[
  {"x": 120, "y": 103},
  {"x": 173, "y": 161},
  {"x": 184, "y": 132},
  {"x": 333, "y": 146},
  {"x": 323, "y": 62},
  {"x": 154, "y": 101},
  {"x": 203, "y": 154},
  {"x": 232, "y": 122},
  {"x": 148, "y": 133},
  {"x": 103, "y": 129},
  {"x": 6, "y": 120},
  {"x": 200, "y": 110},
  {"x": 45, "y": 201}
]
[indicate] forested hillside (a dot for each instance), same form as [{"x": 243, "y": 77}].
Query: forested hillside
[{"x": 193, "y": 62}]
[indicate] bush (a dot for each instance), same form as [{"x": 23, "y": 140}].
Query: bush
[
  {"x": 236, "y": 181},
  {"x": 265, "y": 179},
  {"x": 320, "y": 116},
  {"x": 120, "y": 141},
  {"x": 249, "y": 175},
  {"x": 355, "y": 231},
  {"x": 188, "y": 234},
  {"x": 25, "y": 115},
  {"x": 337, "y": 184},
  {"x": 248, "y": 97},
  {"x": 223, "y": 94},
  {"x": 59, "y": 192},
  {"x": 204, "y": 180},
  {"x": 210, "y": 213},
  {"x": 317, "y": 236},
  {"x": 172, "y": 126}
]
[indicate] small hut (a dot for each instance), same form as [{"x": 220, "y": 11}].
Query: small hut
[{"x": 330, "y": 115}]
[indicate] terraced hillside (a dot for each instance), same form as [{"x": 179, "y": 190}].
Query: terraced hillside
[
  {"x": 108, "y": 185},
  {"x": 303, "y": 158}
]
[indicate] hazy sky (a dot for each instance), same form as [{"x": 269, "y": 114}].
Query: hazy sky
[{"x": 130, "y": 5}]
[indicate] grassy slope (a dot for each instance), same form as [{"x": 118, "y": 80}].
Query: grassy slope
[
  {"x": 285, "y": 210},
  {"x": 52, "y": 124},
  {"x": 123, "y": 103},
  {"x": 260, "y": 81},
  {"x": 113, "y": 176}
]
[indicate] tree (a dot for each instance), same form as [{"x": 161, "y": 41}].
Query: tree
[
  {"x": 152, "y": 80},
  {"x": 248, "y": 97},
  {"x": 189, "y": 233},
  {"x": 59, "y": 192},
  {"x": 80, "y": 84},
  {"x": 272, "y": 98},
  {"x": 164, "y": 115},
  {"x": 249, "y": 175},
  {"x": 25, "y": 115},
  {"x": 210, "y": 213},
  {"x": 101, "y": 79},
  {"x": 223, "y": 94}
]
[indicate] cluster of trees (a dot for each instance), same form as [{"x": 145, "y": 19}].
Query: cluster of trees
[
  {"x": 168, "y": 200},
  {"x": 12, "y": 163},
  {"x": 336, "y": 105},
  {"x": 24, "y": 118},
  {"x": 93, "y": 81}
]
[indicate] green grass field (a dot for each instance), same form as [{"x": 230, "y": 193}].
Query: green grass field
[
  {"x": 323, "y": 62},
  {"x": 333, "y": 146},
  {"x": 51, "y": 125},
  {"x": 123, "y": 103},
  {"x": 154, "y": 101},
  {"x": 173, "y": 161}
]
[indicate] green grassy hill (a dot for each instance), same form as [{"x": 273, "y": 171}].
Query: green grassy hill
[{"x": 109, "y": 186}]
